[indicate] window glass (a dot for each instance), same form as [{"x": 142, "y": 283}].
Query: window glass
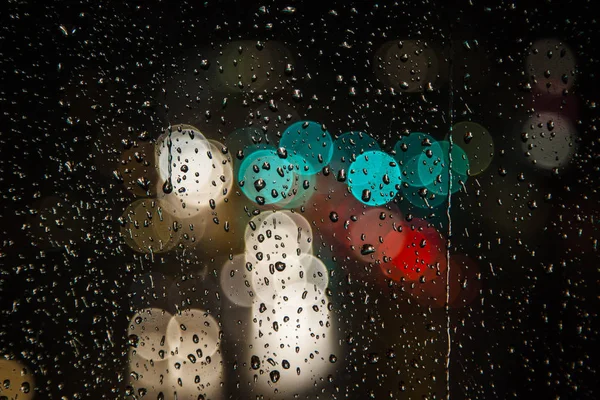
[{"x": 277, "y": 200}]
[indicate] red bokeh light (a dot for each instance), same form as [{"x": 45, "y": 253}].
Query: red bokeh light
[
  {"x": 377, "y": 234},
  {"x": 422, "y": 253}
]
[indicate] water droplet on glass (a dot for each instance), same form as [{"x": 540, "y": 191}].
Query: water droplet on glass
[
  {"x": 367, "y": 249},
  {"x": 334, "y": 217},
  {"x": 255, "y": 362},
  {"x": 274, "y": 375},
  {"x": 167, "y": 186}
]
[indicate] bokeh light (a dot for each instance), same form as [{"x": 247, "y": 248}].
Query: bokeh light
[
  {"x": 551, "y": 66},
  {"x": 276, "y": 235},
  {"x": 146, "y": 332},
  {"x": 147, "y": 227},
  {"x": 478, "y": 144},
  {"x": 348, "y": 146},
  {"x": 416, "y": 170},
  {"x": 176, "y": 376},
  {"x": 264, "y": 200},
  {"x": 236, "y": 281},
  {"x": 193, "y": 171},
  {"x": 203, "y": 378},
  {"x": 265, "y": 177},
  {"x": 376, "y": 235},
  {"x": 303, "y": 190},
  {"x": 291, "y": 348},
  {"x": 16, "y": 380},
  {"x": 304, "y": 230},
  {"x": 374, "y": 178},
  {"x": 290, "y": 280},
  {"x": 422, "y": 253},
  {"x": 454, "y": 173},
  {"x": 193, "y": 334},
  {"x": 311, "y": 145},
  {"x": 549, "y": 140}
]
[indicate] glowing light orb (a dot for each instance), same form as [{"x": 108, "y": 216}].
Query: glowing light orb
[
  {"x": 422, "y": 254},
  {"x": 192, "y": 170},
  {"x": 550, "y": 141},
  {"x": 295, "y": 345},
  {"x": 302, "y": 191},
  {"x": 193, "y": 332},
  {"x": 177, "y": 375},
  {"x": 310, "y": 143},
  {"x": 456, "y": 167},
  {"x": 147, "y": 227},
  {"x": 290, "y": 280},
  {"x": 551, "y": 65},
  {"x": 267, "y": 178},
  {"x": 376, "y": 235},
  {"x": 147, "y": 331},
  {"x": 236, "y": 281},
  {"x": 16, "y": 379},
  {"x": 374, "y": 178},
  {"x": 276, "y": 235},
  {"x": 348, "y": 146},
  {"x": 478, "y": 144},
  {"x": 418, "y": 156}
]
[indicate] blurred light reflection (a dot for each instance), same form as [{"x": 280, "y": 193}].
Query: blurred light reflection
[
  {"x": 291, "y": 349},
  {"x": 551, "y": 66},
  {"x": 147, "y": 330},
  {"x": 192, "y": 170},
  {"x": 193, "y": 334},
  {"x": 310, "y": 143},
  {"x": 16, "y": 380},
  {"x": 549, "y": 140},
  {"x": 147, "y": 228},
  {"x": 422, "y": 253},
  {"x": 275, "y": 235},
  {"x": 236, "y": 281},
  {"x": 374, "y": 178},
  {"x": 477, "y": 143}
]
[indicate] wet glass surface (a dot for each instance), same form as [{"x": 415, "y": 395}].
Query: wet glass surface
[{"x": 275, "y": 200}]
